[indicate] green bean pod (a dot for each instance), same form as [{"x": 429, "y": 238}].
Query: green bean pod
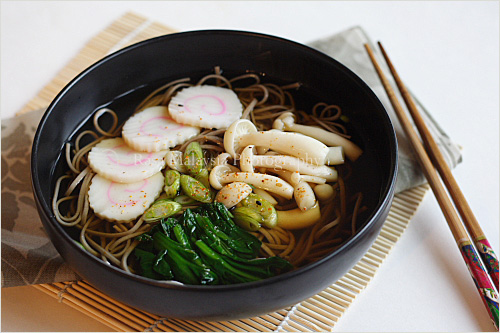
[
  {"x": 263, "y": 207},
  {"x": 194, "y": 159},
  {"x": 172, "y": 183},
  {"x": 161, "y": 209},
  {"x": 195, "y": 189}
]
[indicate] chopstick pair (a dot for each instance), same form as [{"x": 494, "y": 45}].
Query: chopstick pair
[{"x": 430, "y": 159}]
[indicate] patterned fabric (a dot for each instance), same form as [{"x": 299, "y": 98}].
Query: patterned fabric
[{"x": 28, "y": 256}]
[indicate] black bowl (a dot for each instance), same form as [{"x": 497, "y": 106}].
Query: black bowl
[{"x": 122, "y": 77}]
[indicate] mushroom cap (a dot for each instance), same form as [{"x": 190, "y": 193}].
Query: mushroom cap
[
  {"x": 324, "y": 192},
  {"x": 295, "y": 178},
  {"x": 246, "y": 159},
  {"x": 223, "y": 159},
  {"x": 216, "y": 174},
  {"x": 285, "y": 120},
  {"x": 233, "y": 134},
  {"x": 232, "y": 193}
]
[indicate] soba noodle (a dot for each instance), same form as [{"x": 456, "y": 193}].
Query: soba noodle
[{"x": 113, "y": 242}]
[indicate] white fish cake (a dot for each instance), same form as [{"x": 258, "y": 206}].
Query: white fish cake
[
  {"x": 114, "y": 160},
  {"x": 153, "y": 130},
  {"x": 113, "y": 201},
  {"x": 206, "y": 106}
]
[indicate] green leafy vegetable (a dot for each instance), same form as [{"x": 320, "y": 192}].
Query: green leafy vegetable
[
  {"x": 146, "y": 262},
  {"x": 186, "y": 264},
  {"x": 204, "y": 246},
  {"x": 161, "y": 266},
  {"x": 244, "y": 243}
]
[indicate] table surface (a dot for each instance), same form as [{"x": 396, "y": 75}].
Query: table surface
[{"x": 447, "y": 53}]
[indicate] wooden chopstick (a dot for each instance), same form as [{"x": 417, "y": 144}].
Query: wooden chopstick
[
  {"x": 486, "y": 252},
  {"x": 484, "y": 285}
]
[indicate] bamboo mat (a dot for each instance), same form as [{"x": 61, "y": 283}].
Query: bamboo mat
[{"x": 318, "y": 313}]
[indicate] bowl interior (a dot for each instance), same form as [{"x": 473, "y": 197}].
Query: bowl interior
[{"x": 124, "y": 78}]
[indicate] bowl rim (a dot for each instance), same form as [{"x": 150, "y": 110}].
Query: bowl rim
[{"x": 387, "y": 192}]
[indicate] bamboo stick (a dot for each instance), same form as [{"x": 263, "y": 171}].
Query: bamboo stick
[
  {"x": 485, "y": 250},
  {"x": 473, "y": 262}
]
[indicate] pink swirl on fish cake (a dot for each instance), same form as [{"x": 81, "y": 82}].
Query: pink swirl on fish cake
[
  {"x": 132, "y": 202},
  {"x": 143, "y": 130},
  {"x": 112, "y": 150},
  {"x": 204, "y": 106}
]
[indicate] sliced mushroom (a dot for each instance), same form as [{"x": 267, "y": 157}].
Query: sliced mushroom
[
  {"x": 286, "y": 122},
  {"x": 222, "y": 174},
  {"x": 283, "y": 162},
  {"x": 243, "y": 133}
]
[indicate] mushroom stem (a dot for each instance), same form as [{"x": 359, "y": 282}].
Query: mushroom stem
[
  {"x": 222, "y": 174},
  {"x": 259, "y": 180},
  {"x": 302, "y": 191},
  {"x": 295, "y": 144},
  {"x": 265, "y": 195},
  {"x": 304, "y": 196},
  {"x": 287, "y": 122},
  {"x": 283, "y": 162},
  {"x": 297, "y": 177}
]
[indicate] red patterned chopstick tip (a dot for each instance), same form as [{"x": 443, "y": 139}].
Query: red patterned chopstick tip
[
  {"x": 489, "y": 258},
  {"x": 483, "y": 283}
]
